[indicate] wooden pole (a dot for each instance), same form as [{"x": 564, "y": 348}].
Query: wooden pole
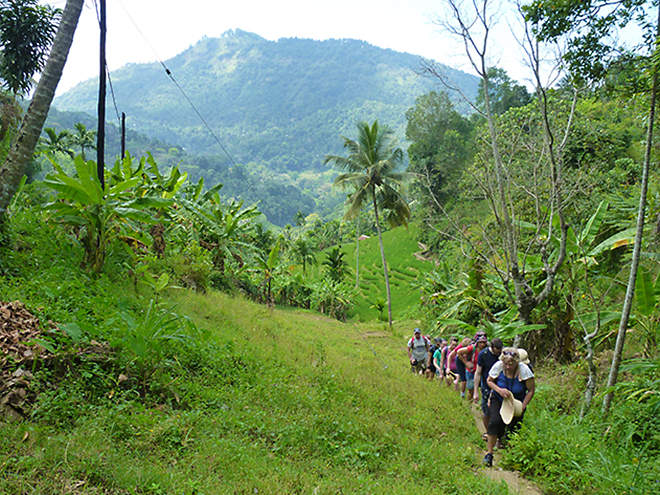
[
  {"x": 123, "y": 135},
  {"x": 100, "y": 135}
]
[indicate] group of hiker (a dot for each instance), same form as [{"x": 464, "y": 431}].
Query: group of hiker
[{"x": 498, "y": 379}]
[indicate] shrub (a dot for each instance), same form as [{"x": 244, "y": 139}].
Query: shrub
[
  {"x": 192, "y": 267},
  {"x": 331, "y": 298}
]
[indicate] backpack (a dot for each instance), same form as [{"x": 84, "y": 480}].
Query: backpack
[{"x": 424, "y": 338}]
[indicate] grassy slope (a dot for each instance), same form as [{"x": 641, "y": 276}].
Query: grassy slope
[
  {"x": 404, "y": 271},
  {"x": 273, "y": 401},
  {"x": 278, "y": 401},
  {"x": 285, "y": 402}
]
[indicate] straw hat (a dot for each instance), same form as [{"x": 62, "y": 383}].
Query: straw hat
[
  {"x": 510, "y": 407},
  {"x": 522, "y": 354}
]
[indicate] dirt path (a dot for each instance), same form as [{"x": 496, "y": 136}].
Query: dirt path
[{"x": 516, "y": 483}]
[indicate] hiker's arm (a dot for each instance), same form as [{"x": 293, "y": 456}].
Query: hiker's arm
[
  {"x": 504, "y": 393},
  {"x": 477, "y": 380},
  {"x": 462, "y": 353},
  {"x": 531, "y": 388}
]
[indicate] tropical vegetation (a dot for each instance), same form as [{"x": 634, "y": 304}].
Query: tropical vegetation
[{"x": 159, "y": 335}]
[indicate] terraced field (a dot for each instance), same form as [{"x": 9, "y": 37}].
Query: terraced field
[{"x": 404, "y": 268}]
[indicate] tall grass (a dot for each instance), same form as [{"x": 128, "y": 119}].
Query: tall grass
[{"x": 262, "y": 401}]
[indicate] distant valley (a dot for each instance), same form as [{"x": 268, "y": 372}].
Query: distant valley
[{"x": 277, "y": 108}]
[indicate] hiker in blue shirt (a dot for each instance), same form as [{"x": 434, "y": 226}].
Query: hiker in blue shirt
[{"x": 487, "y": 358}]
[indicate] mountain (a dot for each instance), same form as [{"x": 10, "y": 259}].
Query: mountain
[{"x": 277, "y": 107}]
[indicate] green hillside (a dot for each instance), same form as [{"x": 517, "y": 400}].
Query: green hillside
[
  {"x": 404, "y": 268},
  {"x": 240, "y": 399},
  {"x": 277, "y": 108}
]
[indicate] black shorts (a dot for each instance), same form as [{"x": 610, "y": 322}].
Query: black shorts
[{"x": 460, "y": 366}]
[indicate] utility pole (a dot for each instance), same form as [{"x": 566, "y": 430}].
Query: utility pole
[
  {"x": 100, "y": 134},
  {"x": 123, "y": 135}
]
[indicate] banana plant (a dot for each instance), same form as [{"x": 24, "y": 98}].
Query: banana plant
[
  {"x": 220, "y": 228},
  {"x": 647, "y": 320},
  {"x": 100, "y": 216},
  {"x": 268, "y": 266},
  {"x": 151, "y": 340}
]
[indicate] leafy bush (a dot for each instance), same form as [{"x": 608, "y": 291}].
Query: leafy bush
[
  {"x": 331, "y": 298},
  {"x": 150, "y": 342},
  {"x": 291, "y": 290},
  {"x": 192, "y": 267}
]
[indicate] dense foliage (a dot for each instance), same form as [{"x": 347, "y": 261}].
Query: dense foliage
[
  {"x": 525, "y": 213},
  {"x": 27, "y": 30}
]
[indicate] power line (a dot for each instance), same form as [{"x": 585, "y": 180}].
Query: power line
[
  {"x": 171, "y": 76},
  {"x": 370, "y": 347},
  {"x": 192, "y": 105}
]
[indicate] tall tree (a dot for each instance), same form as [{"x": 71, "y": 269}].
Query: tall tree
[
  {"x": 370, "y": 172},
  {"x": 439, "y": 150},
  {"x": 507, "y": 251},
  {"x": 589, "y": 26},
  {"x": 22, "y": 150},
  {"x": 26, "y": 33},
  {"x": 304, "y": 253}
]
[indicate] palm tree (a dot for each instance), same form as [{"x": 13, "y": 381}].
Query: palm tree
[
  {"x": 83, "y": 138},
  {"x": 370, "y": 173},
  {"x": 19, "y": 157},
  {"x": 299, "y": 219},
  {"x": 27, "y": 30},
  {"x": 57, "y": 142},
  {"x": 304, "y": 253}
]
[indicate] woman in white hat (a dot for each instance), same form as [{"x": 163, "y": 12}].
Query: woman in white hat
[{"x": 512, "y": 383}]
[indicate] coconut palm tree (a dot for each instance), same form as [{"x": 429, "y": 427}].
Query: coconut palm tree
[
  {"x": 370, "y": 172},
  {"x": 21, "y": 152},
  {"x": 83, "y": 138}
]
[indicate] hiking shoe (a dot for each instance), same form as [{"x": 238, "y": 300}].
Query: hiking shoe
[{"x": 488, "y": 460}]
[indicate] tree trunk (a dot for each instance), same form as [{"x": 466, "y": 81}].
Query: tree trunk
[
  {"x": 357, "y": 252},
  {"x": 634, "y": 265},
  {"x": 382, "y": 255},
  {"x": 593, "y": 373},
  {"x": 22, "y": 150}
]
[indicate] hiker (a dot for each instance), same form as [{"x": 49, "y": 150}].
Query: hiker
[
  {"x": 487, "y": 358},
  {"x": 460, "y": 365},
  {"x": 431, "y": 370},
  {"x": 448, "y": 366},
  {"x": 468, "y": 355},
  {"x": 512, "y": 384},
  {"x": 418, "y": 349},
  {"x": 436, "y": 358}
]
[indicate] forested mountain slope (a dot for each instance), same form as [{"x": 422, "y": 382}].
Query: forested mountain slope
[{"x": 277, "y": 107}]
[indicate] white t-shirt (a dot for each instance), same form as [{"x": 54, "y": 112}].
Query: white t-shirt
[{"x": 524, "y": 370}]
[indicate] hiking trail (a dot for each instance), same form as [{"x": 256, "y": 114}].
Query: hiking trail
[{"x": 516, "y": 483}]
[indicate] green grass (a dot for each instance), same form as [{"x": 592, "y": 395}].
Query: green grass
[
  {"x": 269, "y": 401},
  {"x": 280, "y": 402}
]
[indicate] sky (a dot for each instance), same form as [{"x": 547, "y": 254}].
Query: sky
[{"x": 151, "y": 30}]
